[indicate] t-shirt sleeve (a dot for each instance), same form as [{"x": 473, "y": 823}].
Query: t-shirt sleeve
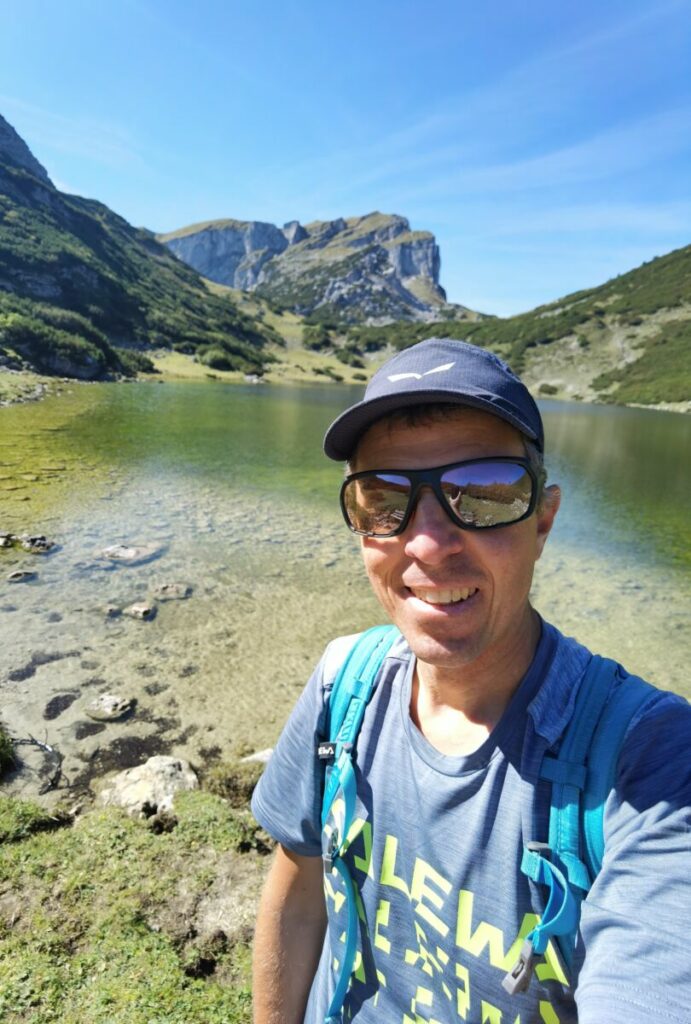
[
  {"x": 634, "y": 955},
  {"x": 287, "y": 799}
]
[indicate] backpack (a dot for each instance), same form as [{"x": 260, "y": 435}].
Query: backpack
[{"x": 582, "y": 774}]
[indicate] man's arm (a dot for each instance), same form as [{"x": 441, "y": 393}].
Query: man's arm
[
  {"x": 634, "y": 921},
  {"x": 288, "y": 938}
]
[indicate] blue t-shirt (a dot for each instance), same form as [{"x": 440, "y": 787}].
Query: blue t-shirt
[{"x": 436, "y": 847}]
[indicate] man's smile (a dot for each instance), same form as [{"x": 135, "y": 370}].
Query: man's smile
[{"x": 450, "y": 595}]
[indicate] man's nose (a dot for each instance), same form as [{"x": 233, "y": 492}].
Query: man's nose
[{"x": 430, "y": 535}]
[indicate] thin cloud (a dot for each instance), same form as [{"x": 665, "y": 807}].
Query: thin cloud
[
  {"x": 491, "y": 120},
  {"x": 655, "y": 218},
  {"x": 104, "y": 143}
]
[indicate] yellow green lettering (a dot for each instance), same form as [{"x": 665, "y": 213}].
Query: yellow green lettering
[
  {"x": 381, "y": 920},
  {"x": 388, "y": 874},
  {"x": 420, "y": 890},
  {"x": 463, "y": 994}
]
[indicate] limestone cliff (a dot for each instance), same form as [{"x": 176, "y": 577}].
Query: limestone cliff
[{"x": 372, "y": 267}]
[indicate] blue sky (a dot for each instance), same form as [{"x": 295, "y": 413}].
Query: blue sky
[{"x": 547, "y": 145}]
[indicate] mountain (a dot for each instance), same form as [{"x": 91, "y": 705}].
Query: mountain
[
  {"x": 14, "y": 149},
  {"x": 82, "y": 292},
  {"x": 627, "y": 341},
  {"x": 354, "y": 269}
]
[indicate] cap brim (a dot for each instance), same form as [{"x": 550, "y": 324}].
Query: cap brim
[{"x": 342, "y": 436}]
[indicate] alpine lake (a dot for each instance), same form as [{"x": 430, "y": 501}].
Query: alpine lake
[{"x": 227, "y": 488}]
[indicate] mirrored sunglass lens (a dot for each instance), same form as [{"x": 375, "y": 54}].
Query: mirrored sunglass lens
[
  {"x": 487, "y": 493},
  {"x": 376, "y": 503}
]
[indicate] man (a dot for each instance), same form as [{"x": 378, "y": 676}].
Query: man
[{"x": 445, "y": 486}]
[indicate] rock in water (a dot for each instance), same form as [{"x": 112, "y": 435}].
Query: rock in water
[
  {"x": 149, "y": 789},
  {"x": 134, "y": 554},
  {"x": 39, "y": 545},
  {"x": 108, "y": 707},
  {"x": 171, "y": 591},
  {"x": 21, "y": 576},
  {"x": 140, "y": 610}
]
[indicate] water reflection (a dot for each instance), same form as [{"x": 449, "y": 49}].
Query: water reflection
[{"x": 624, "y": 472}]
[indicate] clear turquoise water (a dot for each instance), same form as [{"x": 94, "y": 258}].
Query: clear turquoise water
[{"x": 231, "y": 483}]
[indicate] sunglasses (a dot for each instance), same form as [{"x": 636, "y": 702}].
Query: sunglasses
[{"x": 480, "y": 494}]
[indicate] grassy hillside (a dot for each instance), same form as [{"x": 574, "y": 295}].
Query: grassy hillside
[
  {"x": 79, "y": 287},
  {"x": 628, "y": 340}
]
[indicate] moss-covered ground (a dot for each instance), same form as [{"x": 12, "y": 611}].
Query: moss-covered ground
[{"x": 105, "y": 922}]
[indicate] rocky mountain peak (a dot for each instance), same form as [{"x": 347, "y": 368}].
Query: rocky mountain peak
[
  {"x": 369, "y": 267},
  {"x": 14, "y": 149}
]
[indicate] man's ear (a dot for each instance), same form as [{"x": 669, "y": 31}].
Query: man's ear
[{"x": 546, "y": 512}]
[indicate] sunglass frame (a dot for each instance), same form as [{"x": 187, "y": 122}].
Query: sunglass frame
[{"x": 431, "y": 477}]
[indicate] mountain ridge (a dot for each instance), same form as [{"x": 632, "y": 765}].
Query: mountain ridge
[
  {"x": 77, "y": 282},
  {"x": 85, "y": 294},
  {"x": 368, "y": 267}
]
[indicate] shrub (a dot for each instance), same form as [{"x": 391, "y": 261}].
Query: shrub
[
  {"x": 7, "y": 758},
  {"x": 134, "y": 362},
  {"x": 316, "y": 338},
  {"x": 235, "y": 782}
]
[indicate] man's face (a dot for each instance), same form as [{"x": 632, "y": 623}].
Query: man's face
[{"x": 458, "y": 596}]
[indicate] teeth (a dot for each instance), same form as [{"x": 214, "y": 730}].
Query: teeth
[{"x": 445, "y": 596}]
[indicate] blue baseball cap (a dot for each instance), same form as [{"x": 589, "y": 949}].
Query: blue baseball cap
[{"x": 438, "y": 370}]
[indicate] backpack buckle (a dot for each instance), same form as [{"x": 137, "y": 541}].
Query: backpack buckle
[
  {"x": 518, "y": 978},
  {"x": 331, "y": 852}
]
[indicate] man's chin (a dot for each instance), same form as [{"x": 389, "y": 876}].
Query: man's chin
[{"x": 442, "y": 652}]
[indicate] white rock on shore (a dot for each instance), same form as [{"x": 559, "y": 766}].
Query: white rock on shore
[{"x": 149, "y": 788}]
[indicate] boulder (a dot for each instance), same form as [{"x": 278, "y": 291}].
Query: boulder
[
  {"x": 109, "y": 706},
  {"x": 149, "y": 789}
]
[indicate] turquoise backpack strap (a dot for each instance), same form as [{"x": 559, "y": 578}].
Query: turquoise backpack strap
[
  {"x": 351, "y": 691},
  {"x": 582, "y": 775},
  {"x": 627, "y": 699}
]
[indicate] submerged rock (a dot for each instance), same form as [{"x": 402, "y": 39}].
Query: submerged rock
[
  {"x": 134, "y": 554},
  {"x": 21, "y": 576},
  {"x": 107, "y": 707},
  {"x": 171, "y": 591},
  {"x": 38, "y": 545},
  {"x": 149, "y": 789},
  {"x": 140, "y": 610}
]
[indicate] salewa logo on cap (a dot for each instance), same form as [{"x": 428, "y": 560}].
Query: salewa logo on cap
[{"x": 437, "y": 369}]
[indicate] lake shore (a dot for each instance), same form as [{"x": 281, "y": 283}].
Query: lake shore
[{"x": 292, "y": 367}]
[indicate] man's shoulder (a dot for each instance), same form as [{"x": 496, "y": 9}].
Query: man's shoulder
[
  {"x": 555, "y": 702},
  {"x": 338, "y": 649}
]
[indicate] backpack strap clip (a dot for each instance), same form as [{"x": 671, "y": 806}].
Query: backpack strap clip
[{"x": 518, "y": 978}]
